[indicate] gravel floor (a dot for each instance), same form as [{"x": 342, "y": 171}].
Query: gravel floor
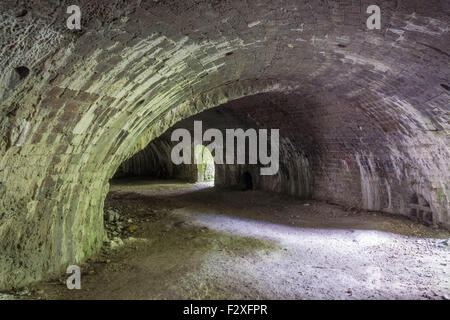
[{"x": 172, "y": 240}]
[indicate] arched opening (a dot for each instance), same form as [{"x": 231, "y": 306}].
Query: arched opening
[
  {"x": 420, "y": 209},
  {"x": 205, "y": 164},
  {"x": 247, "y": 181},
  {"x": 22, "y": 72},
  {"x": 361, "y": 116}
]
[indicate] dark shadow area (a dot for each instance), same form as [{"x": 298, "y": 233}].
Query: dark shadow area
[{"x": 266, "y": 207}]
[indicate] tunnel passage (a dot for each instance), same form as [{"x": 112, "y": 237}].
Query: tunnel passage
[
  {"x": 205, "y": 164},
  {"x": 294, "y": 178},
  {"x": 247, "y": 181},
  {"x": 368, "y": 107}
]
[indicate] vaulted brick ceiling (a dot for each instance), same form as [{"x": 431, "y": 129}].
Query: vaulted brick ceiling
[{"x": 370, "y": 105}]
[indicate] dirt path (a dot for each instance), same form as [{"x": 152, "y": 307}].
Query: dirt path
[{"x": 185, "y": 241}]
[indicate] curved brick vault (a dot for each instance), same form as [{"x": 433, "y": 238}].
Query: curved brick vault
[{"x": 369, "y": 108}]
